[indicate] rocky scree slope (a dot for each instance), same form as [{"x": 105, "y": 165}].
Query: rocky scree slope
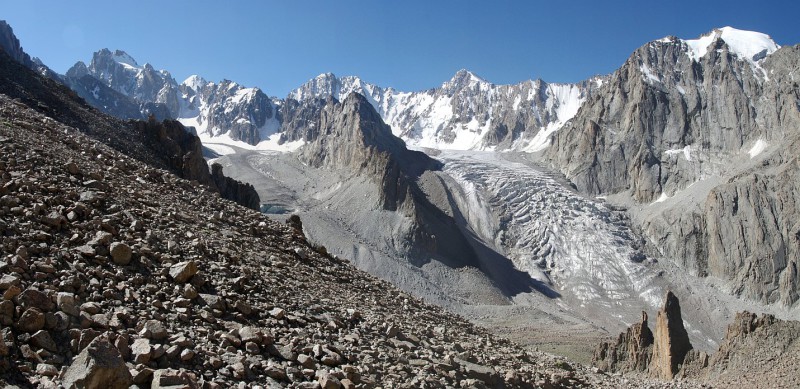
[
  {"x": 167, "y": 145},
  {"x": 117, "y": 272},
  {"x": 713, "y": 123}
]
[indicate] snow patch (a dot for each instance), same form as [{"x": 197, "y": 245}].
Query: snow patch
[
  {"x": 224, "y": 142},
  {"x": 661, "y": 198},
  {"x": 686, "y": 151},
  {"x": 757, "y": 148},
  {"x": 123, "y": 58},
  {"x": 649, "y": 75},
  {"x": 542, "y": 138}
]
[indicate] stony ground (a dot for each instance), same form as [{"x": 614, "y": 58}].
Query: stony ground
[{"x": 116, "y": 272}]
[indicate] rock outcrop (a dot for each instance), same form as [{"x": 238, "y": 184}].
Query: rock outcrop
[
  {"x": 183, "y": 154},
  {"x": 352, "y": 137},
  {"x": 640, "y": 350},
  {"x": 757, "y": 351},
  {"x": 11, "y": 45},
  {"x": 671, "y": 341},
  {"x": 632, "y": 350}
]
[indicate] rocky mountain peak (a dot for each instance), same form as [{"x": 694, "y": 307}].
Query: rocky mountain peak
[
  {"x": 122, "y": 57},
  {"x": 195, "y": 82},
  {"x": 465, "y": 79},
  {"x": 11, "y": 45},
  {"x": 328, "y": 84}
]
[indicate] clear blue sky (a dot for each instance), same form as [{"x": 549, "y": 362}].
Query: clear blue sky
[{"x": 409, "y": 45}]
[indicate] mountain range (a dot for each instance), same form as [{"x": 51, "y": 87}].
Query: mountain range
[
  {"x": 519, "y": 206},
  {"x": 678, "y": 116}
]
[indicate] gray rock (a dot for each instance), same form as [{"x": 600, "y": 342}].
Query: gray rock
[
  {"x": 66, "y": 302},
  {"x": 183, "y": 271},
  {"x": 98, "y": 366},
  {"x": 42, "y": 339},
  {"x": 154, "y": 329},
  {"x": 141, "y": 350}
]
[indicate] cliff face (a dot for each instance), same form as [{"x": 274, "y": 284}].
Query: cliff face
[
  {"x": 719, "y": 133},
  {"x": 10, "y": 43},
  {"x": 352, "y": 136}
]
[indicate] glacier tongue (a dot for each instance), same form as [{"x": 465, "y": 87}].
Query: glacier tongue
[{"x": 576, "y": 244}]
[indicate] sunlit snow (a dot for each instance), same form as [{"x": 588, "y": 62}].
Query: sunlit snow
[
  {"x": 686, "y": 151},
  {"x": 749, "y": 45},
  {"x": 757, "y": 148}
]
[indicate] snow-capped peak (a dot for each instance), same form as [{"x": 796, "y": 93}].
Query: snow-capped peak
[
  {"x": 122, "y": 57},
  {"x": 749, "y": 45},
  {"x": 195, "y": 82},
  {"x": 465, "y": 76}
]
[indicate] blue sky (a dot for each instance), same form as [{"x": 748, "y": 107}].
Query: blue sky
[{"x": 409, "y": 45}]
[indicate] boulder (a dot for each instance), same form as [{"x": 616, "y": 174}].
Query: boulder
[
  {"x": 183, "y": 271},
  {"x": 32, "y": 320},
  {"x": 120, "y": 253},
  {"x": 98, "y": 366}
]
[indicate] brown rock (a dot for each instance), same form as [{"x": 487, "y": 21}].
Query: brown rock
[
  {"x": 42, "y": 339},
  {"x": 32, "y": 298},
  {"x": 630, "y": 352},
  {"x": 671, "y": 341},
  {"x": 6, "y": 312},
  {"x": 120, "y": 253},
  {"x": 154, "y": 329},
  {"x": 98, "y": 366},
  {"x": 169, "y": 378},
  {"x": 328, "y": 381},
  {"x": 32, "y": 320}
]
